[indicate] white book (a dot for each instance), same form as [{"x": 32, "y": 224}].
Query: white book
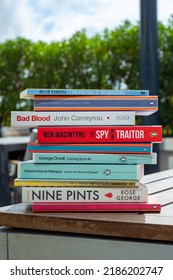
[
  {"x": 35, "y": 119},
  {"x": 75, "y": 194}
]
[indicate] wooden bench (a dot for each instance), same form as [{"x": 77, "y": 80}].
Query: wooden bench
[{"x": 93, "y": 235}]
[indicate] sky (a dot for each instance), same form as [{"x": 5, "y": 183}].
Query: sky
[{"x": 55, "y": 20}]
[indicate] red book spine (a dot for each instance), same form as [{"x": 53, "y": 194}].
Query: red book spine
[
  {"x": 152, "y": 205},
  {"x": 100, "y": 134}
]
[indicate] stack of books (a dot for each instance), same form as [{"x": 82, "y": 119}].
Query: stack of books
[{"x": 89, "y": 154}]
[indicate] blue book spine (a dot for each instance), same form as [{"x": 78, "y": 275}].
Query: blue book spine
[
  {"x": 29, "y": 93},
  {"x": 145, "y": 148},
  {"x": 95, "y": 103},
  {"x": 74, "y": 158},
  {"x": 30, "y": 170}
]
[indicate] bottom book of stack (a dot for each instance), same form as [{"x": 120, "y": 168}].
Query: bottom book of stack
[{"x": 152, "y": 205}]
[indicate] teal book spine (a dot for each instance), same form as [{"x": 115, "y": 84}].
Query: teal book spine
[
  {"x": 120, "y": 148},
  {"x": 30, "y": 170},
  {"x": 80, "y": 158}
]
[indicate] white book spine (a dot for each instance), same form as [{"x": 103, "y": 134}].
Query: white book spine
[
  {"x": 63, "y": 194},
  {"x": 35, "y": 119}
]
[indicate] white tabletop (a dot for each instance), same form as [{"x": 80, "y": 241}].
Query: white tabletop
[{"x": 14, "y": 140}]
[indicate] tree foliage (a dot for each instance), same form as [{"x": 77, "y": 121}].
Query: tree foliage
[{"x": 105, "y": 61}]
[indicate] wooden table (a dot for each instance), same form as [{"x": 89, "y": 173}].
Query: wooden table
[
  {"x": 7, "y": 145},
  {"x": 143, "y": 228}
]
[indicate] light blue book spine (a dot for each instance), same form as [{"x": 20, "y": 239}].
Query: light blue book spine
[
  {"x": 73, "y": 158},
  {"x": 30, "y": 92},
  {"x": 30, "y": 170}
]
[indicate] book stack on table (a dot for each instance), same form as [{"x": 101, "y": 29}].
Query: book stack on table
[{"x": 89, "y": 154}]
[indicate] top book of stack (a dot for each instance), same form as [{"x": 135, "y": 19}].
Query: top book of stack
[
  {"x": 29, "y": 93},
  {"x": 138, "y": 101}
]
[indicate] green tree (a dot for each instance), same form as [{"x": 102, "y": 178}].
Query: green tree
[{"x": 107, "y": 60}]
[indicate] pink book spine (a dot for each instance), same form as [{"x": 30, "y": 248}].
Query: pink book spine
[{"x": 151, "y": 205}]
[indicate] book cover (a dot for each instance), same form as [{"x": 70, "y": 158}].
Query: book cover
[
  {"x": 95, "y": 158},
  {"x": 75, "y": 118},
  {"x": 28, "y": 169},
  {"x": 100, "y": 134},
  {"x": 143, "y": 105},
  {"x": 127, "y": 148},
  {"x": 29, "y": 93},
  {"x": 153, "y": 205},
  {"x": 77, "y": 183},
  {"x": 76, "y": 194}
]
